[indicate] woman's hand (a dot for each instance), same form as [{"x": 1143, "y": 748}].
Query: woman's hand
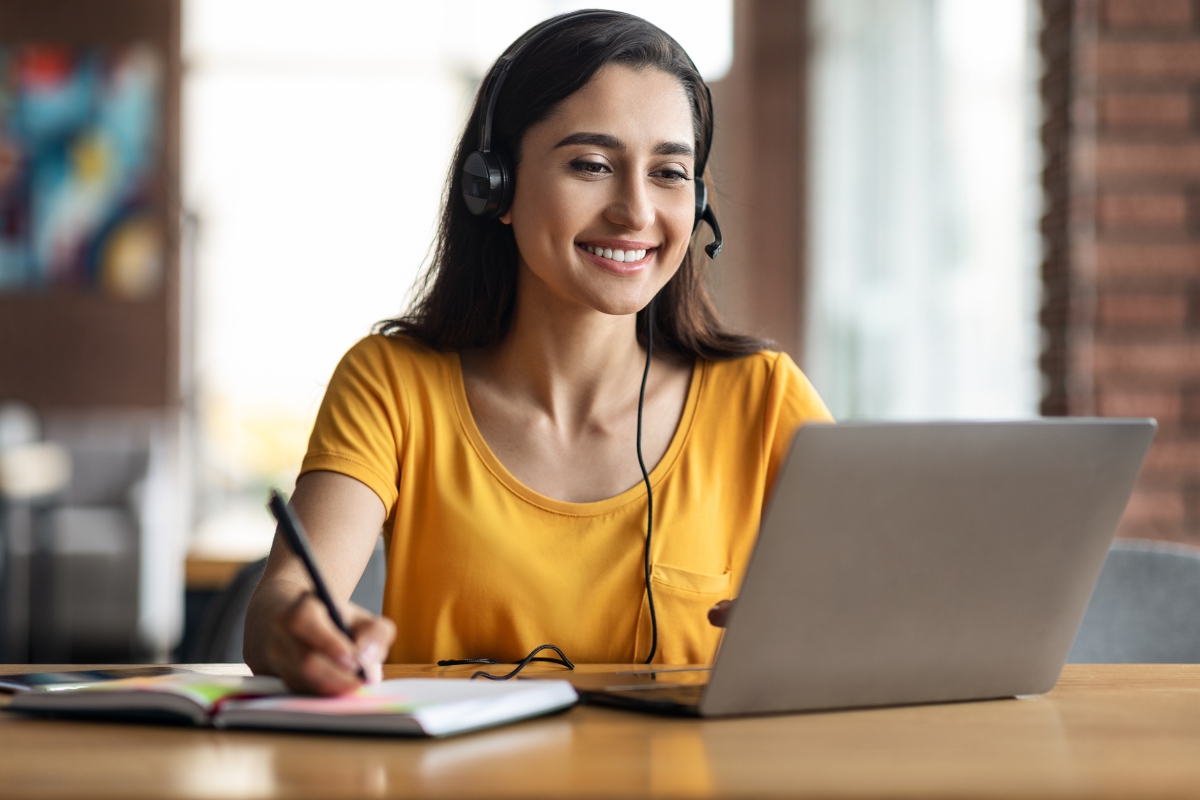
[
  {"x": 311, "y": 655},
  {"x": 719, "y": 614},
  {"x": 288, "y": 631}
]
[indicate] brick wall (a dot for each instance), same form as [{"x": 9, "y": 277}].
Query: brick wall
[{"x": 1121, "y": 310}]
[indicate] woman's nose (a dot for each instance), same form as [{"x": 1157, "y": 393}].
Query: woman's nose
[{"x": 632, "y": 208}]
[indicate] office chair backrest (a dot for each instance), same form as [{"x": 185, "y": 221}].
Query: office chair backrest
[
  {"x": 1145, "y": 609},
  {"x": 219, "y": 637},
  {"x": 369, "y": 592}
]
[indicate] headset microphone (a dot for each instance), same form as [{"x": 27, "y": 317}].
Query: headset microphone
[
  {"x": 487, "y": 175},
  {"x": 704, "y": 213}
]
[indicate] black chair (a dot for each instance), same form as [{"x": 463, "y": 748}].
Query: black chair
[
  {"x": 1146, "y": 607},
  {"x": 219, "y": 635}
]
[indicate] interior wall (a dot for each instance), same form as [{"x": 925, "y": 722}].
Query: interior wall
[
  {"x": 757, "y": 172},
  {"x": 1121, "y": 274}
]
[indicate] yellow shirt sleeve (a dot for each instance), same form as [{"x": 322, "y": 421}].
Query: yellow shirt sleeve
[
  {"x": 790, "y": 402},
  {"x": 362, "y": 423}
]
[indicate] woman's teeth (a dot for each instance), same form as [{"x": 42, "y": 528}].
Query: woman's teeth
[{"x": 615, "y": 255}]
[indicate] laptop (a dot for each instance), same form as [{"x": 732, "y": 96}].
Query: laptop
[{"x": 903, "y": 563}]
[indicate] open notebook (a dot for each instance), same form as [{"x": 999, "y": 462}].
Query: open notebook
[{"x": 408, "y": 706}]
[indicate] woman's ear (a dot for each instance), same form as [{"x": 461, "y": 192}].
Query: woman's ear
[{"x": 506, "y": 217}]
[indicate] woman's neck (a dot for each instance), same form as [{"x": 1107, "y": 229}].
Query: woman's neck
[
  {"x": 569, "y": 361},
  {"x": 557, "y": 400}
]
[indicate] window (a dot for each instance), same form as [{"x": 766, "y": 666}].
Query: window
[{"x": 923, "y": 208}]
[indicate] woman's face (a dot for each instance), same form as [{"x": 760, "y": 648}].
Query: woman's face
[{"x": 605, "y": 199}]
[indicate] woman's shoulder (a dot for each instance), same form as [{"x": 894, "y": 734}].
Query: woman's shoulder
[
  {"x": 768, "y": 378},
  {"x": 396, "y": 352},
  {"x": 758, "y": 368},
  {"x": 394, "y": 368}
]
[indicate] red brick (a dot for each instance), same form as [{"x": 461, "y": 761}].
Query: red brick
[
  {"x": 1191, "y": 406},
  {"x": 1191, "y": 498},
  {"x": 1148, "y": 160},
  {"x": 1121, "y": 262},
  {"x": 1152, "y": 211},
  {"x": 1175, "y": 359},
  {"x": 1166, "y": 407},
  {"x": 1176, "y": 59},
  {"x": 1142, "y": 310},
  {"x": 1154, "y": 507},
  {"x": 1148, "y": 13},
  {"x": 1163, "y": 110}
]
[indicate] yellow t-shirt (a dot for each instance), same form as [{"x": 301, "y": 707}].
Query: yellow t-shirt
[{"x": 481, "y": 566}]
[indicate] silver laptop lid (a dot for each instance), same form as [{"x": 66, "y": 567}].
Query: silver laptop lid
[{"x": 924, "y": 562}]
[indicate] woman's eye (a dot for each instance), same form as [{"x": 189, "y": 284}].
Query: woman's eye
[
  {"x": 671, "y": 175},
  {"x": 590, "y": 167}
]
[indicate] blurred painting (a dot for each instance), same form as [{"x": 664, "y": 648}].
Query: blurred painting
[{"x": 79, "y": 154}]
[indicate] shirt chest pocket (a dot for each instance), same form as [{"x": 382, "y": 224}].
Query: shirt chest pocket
[{"x": 682, "y": 598}]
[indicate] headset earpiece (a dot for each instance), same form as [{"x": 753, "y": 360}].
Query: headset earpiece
[
  {"x": 487, "y": 184},
  {"x": 487, "y": 176}
]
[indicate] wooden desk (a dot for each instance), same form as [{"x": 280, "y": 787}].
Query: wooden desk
[
  {"x": 1105, "y": 731},
  {"x": 211, "y": 574}
]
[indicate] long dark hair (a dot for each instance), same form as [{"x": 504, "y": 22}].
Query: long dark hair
[{"x": 467, "y": 295}]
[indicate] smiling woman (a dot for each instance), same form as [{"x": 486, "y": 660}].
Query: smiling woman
[{"x": 563, "y": 328}]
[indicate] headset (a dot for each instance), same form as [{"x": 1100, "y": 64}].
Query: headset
[
  {"x": 487, "y": 189},
  {"x": 488, "y": 179}
]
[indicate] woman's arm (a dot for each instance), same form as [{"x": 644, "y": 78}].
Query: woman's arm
[{"x": 288, "y": 632}]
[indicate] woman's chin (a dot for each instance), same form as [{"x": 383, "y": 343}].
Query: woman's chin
[
  {"x": 621, "y": 304},
  {"x": 621, "y": 296},
  {"x": 588, "y": 288}
]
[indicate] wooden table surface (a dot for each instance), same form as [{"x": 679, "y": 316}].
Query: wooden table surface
[
  {"x": 1105, "y": 731},
  {"x": 204, "y": 573}
]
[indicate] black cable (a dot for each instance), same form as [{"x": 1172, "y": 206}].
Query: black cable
[
  {"x": 646, "y": 479},
  {"x": 524, "y": 662}
]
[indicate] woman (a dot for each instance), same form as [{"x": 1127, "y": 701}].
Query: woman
[{"x": 497, "y": 433}]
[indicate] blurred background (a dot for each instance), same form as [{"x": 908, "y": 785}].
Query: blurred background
[{"x": 939, "y": 208}]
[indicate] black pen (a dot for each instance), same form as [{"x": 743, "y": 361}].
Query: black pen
[{"x": 299, "y": 544}]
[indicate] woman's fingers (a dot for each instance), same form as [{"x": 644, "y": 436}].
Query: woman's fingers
[
  {"x": 311, "y": 624},
  {"x": 309, "y": 651},
  {"x": 719, "y": 614},
  {"x": 311, "y": 654},
  {"x": 327, "y": 677},
  {"x": 373, "y": 637},
  {"x": 306, "y": 670}
]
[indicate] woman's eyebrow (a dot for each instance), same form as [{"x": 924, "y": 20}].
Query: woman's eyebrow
[
  {"x": 673, "y": 149},
  {"x": 595, "y": 139},
  {"x": 610, "y": 142}
]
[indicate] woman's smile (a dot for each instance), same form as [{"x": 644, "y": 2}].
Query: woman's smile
[{"x": 618, "y": 256}]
